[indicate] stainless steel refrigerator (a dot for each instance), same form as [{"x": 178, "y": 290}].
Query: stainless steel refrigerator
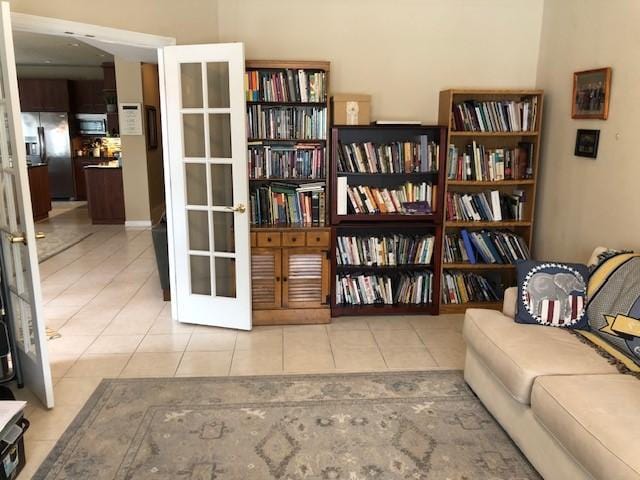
[{"x": 46, "y": 137}]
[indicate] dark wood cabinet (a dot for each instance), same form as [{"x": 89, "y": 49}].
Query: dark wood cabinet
[
  {"x": 78, "y": 174},
  {"x": 87, "y": 96},
  {"x": 105, "y": 195},
  {"x": 39, "y": 189},
  {"x": 42, "y": 95}
]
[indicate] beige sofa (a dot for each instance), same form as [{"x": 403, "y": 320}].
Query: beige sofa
[{"x": 569, "y": 411}]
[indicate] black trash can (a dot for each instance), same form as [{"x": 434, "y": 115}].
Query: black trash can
[{"x": 161, "y": 247}]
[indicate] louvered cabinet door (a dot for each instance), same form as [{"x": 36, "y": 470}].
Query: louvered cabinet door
[
  {"x": 266, "y": 282},
  {"x": 305, "y": 278}
]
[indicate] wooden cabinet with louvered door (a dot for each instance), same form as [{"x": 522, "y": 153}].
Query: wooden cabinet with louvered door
[
  {"x": 266, "y": 279},
  {"x": 290, "y": 274},
  {"x": 305, "y": 280}
]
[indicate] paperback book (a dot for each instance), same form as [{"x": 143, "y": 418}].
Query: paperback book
[
  {"x": 388, "y": 250},
  {"x": 286, "y": 161},
  {"x": 488, "y": 206},
  {"x": 496, "y": 116},
  {"x": 477, "y": 163},
  {"x": 365, "y": 289},
  {"x": 288, "y": 204},
  {"x": 286, "y": 123},
  {"x": 286, "y": 85},
  {"x": 409, "y": 198},
  {"x": 463, "y": 287},
  {"x": 484, "y": 246},
  {"x": 394, "y": 157}
]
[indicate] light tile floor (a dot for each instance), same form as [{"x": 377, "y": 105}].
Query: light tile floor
[{"x": 103, "y": 296}]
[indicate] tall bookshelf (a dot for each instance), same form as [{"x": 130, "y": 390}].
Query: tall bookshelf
[
  {"x": 496, "y": 139},
  {"x": 409, "y": 223},
  {"x": 288, "y": 126}
]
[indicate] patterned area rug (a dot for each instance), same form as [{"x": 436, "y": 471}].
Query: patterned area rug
[{"x": 406, "y": 425}]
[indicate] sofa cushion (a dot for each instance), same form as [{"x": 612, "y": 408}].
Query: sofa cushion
[
  {"x": 518, "y": 353},
  {"x": 552, "y": 293},
  {"x": 596, "y": 418}
]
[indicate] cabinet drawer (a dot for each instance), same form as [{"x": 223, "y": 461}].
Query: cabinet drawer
[
  {"x": 293, "y": 239},
  {"x": 268, "y": 239},
  {"x": 318, "y": 239},
  {"x": 254, "y": 240}
]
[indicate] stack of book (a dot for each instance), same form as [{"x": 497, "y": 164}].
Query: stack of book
[
  {"x": 489, "y": 206},
  {"x": 395, "y": 157},
  {"x": 496, "y": 116},
  {"x": 480, "y": 163},
  {"x": 287, "y": 160},
  {"x": 464, "y": 287},
  {"x": 485, "y": 246},
  {"x": 286, "y": 123},
  {"x": 365, "y": 289},
  {"x": 288, "y": 204},
  {"x": 415, "y": 288},
  {"x": 389, "y": 250},
  {"x": 409, "y": 198},
  {"x": 285, "y": 86}
]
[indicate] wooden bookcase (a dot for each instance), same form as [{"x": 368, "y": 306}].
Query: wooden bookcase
[
  {"x": 387, "y": 224},
  {"x": 290, "y": 262},
  {"x": 491, "y": 140}
]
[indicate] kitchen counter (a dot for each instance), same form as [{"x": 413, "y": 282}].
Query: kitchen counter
[
  {"x": 39, "y": 190},
  {"x": 78, "y": 164},
  {"x": 105, "y": 194}
]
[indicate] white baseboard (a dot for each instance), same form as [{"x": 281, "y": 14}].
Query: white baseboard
[{"x": 137, "y": 223}]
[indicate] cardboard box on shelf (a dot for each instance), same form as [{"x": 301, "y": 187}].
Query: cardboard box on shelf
[{"x": 351, "y": 109}]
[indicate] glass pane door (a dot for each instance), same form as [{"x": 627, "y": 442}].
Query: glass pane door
[{"x": 208, "y": 181}]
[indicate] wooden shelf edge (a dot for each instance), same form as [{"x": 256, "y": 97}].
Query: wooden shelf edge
[
  {"x": 284, "y": 64},
  {"x": 477, "y": 266},
  {"x": 481, "y": 224},
  {"x": 458, "y": 133},
  {"x": 343, "y": 310},
  {"x": 496, "y": 91},
  {"x": 462, "y": 307},
  {"x": 489, "y": 183}
]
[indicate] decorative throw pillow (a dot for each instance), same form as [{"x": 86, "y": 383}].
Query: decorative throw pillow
[
  {"x": 614, "y": 306},
  {"x": 551, "y": 293}
]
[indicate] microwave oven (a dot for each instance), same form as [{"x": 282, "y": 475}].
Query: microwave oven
[{"x": 91, "y": 124}]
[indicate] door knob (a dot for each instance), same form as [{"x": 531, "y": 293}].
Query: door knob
[
  {"x": 40, "y": 235},
  {"x": 18, "y": 238},
  {"x": 240, "y": 208}
]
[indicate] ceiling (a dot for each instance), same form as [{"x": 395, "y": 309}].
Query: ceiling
[{"x": 42, "y": 50}]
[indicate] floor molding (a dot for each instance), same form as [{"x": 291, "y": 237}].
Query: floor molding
[{"x": 137, "y": 223}]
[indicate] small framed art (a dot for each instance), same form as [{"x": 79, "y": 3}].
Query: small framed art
[
  {"x": 591, "y": 90},
  {"x": 152, "y": 127},
  {"x": 587, "y": 143}
]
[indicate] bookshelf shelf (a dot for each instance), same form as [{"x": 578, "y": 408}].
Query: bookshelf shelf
[
  {"x": 385, "y": 217},
  {"x": 492, "y": 134},
  {"x": 383, "y": 268},
  {"x": 289, "y": 261},
  {"x": 461, "y": 307},
  {"x": 504, "y": 224},
  {"x": 395, "y": 309},
  {"x": 477, "y": 266},
  {"x": 489, "y": 183},
  {"x": 493, "y": 107}
]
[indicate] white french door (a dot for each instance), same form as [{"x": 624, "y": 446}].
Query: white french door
[
  {"x": 202, "y": 88},
  {"x": 17, "y": 235}
]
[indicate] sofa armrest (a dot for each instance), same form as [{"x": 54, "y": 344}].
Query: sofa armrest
[{"x": 509, "y": 305}]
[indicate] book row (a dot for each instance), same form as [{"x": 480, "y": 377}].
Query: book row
[
  {"x": 290, "y": 160},
  {"x": 285, "y": 204},
  {"x": 410, "y": 198},
  {"x": 485, "y": 246},
  {"x": 388, "y": 250},
  {"x": 395, "y": 157},
  {"x": 408, "y": 288},
  {"x": 286, "y": 85},
  {"x": 479, "y": 163},
  {"x": 286, "y": 123},
  {"x": 464, "y": 287},
  {"x": 496, "y": 116},
  {"x": 488, "y": 206}
]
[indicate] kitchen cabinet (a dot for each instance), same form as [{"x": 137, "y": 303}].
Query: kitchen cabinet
[
  {"x": 290, "y": 276},
  {"x": 105, "y": 195},
  {"x": 78, "y": 173},
  {"x": 39, "y": 190},
  {"x": 87, "y": 96},
  {"x": 43, "y": 95}
]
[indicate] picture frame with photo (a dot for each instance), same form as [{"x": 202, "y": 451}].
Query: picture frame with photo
[
  {"x": 591, "y": 91},
  {"x": 587, "y": 143}
]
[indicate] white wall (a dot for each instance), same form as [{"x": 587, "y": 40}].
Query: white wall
[
  {"x": 402, "y": 52},
  {"x": 585, "y": 202}
]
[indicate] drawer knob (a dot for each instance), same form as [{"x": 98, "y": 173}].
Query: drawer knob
[
  {"x": 277, "y": 279},
  {"x": 293, "y": 239},
  {"x": 284, "y": 279},
  {"x": 317, "y": 239},
  {"x": 268, "y": 239}
]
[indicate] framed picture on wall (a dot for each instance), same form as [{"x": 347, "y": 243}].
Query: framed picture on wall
[
  {"x": 152, "y": 127},
  {"x": 587, "y": 143},
  {"x": 591, "y": 89}
]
